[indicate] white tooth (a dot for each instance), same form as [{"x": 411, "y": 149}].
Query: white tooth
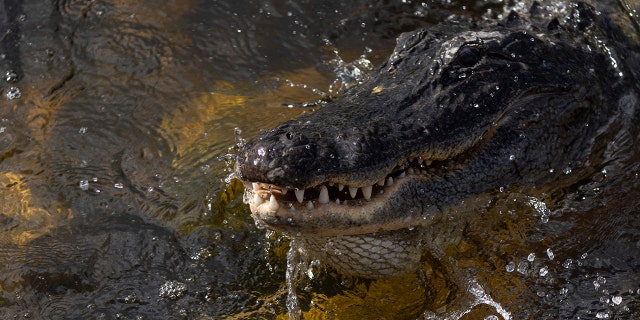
[
  {"x": 284, "y": 191},
  {"x": 381, "y": 182},
  {"x": 324, "y": 195},
  {"x": 299, "y": 195},
  {"x": 273, "y": 203},
  {"x": 353, "y": 191},
  {"x": 401, "y": 175},
  {"x": 340, "y": 187},
  {"x": 331, "y": 184},
  {"x": 255, "y": 185},
  {"x": 427, "y": 162},
  {"x": 389, "y": 182},
  {"x": 366, "y": 192},
  {"x": 337, "y": 201},
  {"x": 257, "y": 200},
  {"x": 410, "y": 171},
  {"x": 310, "y": 205}
]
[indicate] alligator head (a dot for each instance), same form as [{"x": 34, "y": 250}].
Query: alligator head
[{"x": 457, "y": 111}]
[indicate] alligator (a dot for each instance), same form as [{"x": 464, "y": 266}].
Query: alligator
[{"x": 459, "y": 110}]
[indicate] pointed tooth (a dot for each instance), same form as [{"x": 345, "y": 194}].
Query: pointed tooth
[
  {"x": 410, "y": 171},
  {"x": 366, "y": 192},
  {"x": 257, "y": 200},
  {"x": 337, "y": 201},
  {"x": 401, "y": 175},
  {"x": 427, "y": 162},
  {"x": 381, "y": 182},
  {"x": 310, "y": 205},
  {"x": 284, "y": 191},
  {"x": 389, "y": 182},
  {"x": 273, "y": 203},
  {"x": 353, "y": 191},
  {"x": 255, "y": 185},
  {"x": 331, "y": 184},
  {"x": 340, "y": 186},
  {"x": 299, "y": 195},
  {"x": 324, "y": 195}
]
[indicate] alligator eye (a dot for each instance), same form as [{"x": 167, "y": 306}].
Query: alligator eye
[
  {"x": 468, "y": 56},
  {"x": 289, "y": 135}
]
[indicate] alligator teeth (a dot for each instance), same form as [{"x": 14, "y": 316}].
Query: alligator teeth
[
  {"x": 299, "y": 195},
  {"x": 428, "y": 162},
  {"x": 284, "y": 191},
  {"x": 381, "y": 183},
  {"x": 410, "y": 171},
  {"x": 257, "y": 200},
  {"x": 402, "y": 174},
  {"x": 310, "y": 205},
  {"x": 353, "y": 191},
  {"x": 255, "y": 185},
  {"x": 324, "y": 195},
  {"x": 366, "y": 192},
  {"x": 389, "y": 182},
  {"x": 273, "y": 203},
  {"x": 340, "y": 187}
]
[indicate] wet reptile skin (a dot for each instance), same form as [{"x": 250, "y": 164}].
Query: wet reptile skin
[{"x": 458, "y": 110}]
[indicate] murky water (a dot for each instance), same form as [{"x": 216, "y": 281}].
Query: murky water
[{"x": 117, "y": 124}]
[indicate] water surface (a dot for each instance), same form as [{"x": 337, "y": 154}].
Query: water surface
[{"x": 118, "y": 122}]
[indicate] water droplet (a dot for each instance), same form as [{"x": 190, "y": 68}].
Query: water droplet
[
  {"x": 84, "y": 185},
  {"x": 523, "y": 267},
  {"x": 616, "y": 300},
  {"x": 11, "y": 76},
  {"x": 172, "y": 290},
  {"x": 531, "y": 257},
  {"x": 83, "y": 130},
  {"x": 544, "y": 271},
  {"x": 566, "y": 170},
  {"x": 550, "y": 254},
  {"x": 510, "y": 266},
  {"x": 13, "y": 93},
  {"x": 512, "y": 157},
  {"x": 118, "y": 185}
]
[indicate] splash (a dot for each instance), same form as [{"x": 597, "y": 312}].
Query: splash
[{"x": 296, "y": 266}]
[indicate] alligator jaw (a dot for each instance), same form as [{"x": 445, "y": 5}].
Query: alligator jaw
[{"x": 335, "y": 209}]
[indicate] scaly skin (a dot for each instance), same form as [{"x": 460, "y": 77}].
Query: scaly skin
[{"x": 458, "y": 110}]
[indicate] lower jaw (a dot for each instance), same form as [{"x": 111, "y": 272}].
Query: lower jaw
[{"x": 373, "y": 255}]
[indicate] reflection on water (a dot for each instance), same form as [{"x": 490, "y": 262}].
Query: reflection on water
[{"x": 117, "y": 121}]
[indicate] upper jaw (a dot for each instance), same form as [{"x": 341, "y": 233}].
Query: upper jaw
[
  {"x": 332, "y": 208},
  {"x": 328, "y": 213}
]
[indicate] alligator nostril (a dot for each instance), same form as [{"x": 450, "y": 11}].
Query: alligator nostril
[{"x": 289, "y": 135}]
